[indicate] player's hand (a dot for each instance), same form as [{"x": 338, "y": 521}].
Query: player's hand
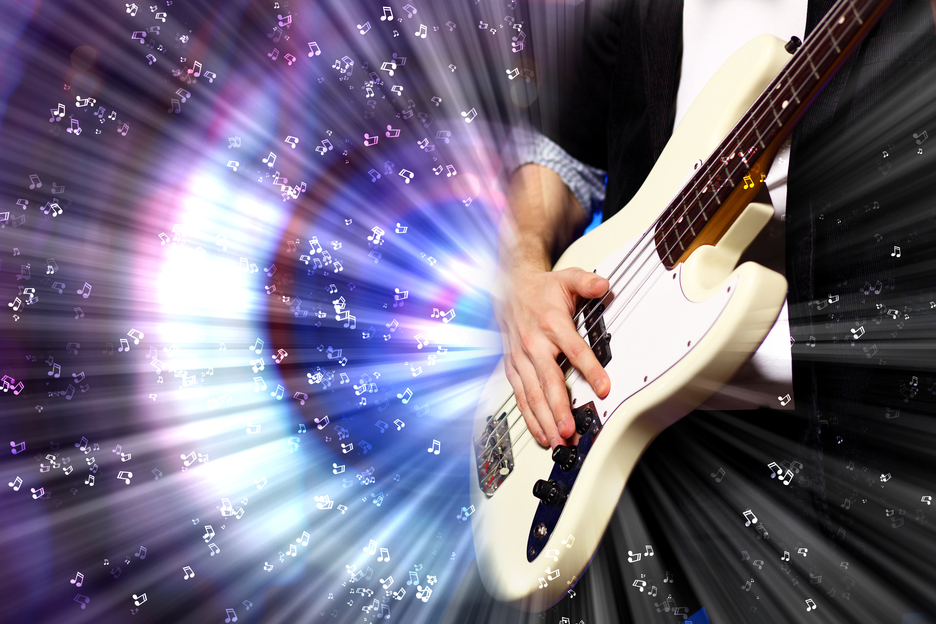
[{"x": 534, "y": 309}]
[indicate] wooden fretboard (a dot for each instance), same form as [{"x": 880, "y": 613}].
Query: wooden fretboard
[{"x": 695, "y": 217}]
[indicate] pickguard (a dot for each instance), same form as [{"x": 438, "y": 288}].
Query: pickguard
[{"x": 653, "y": 324}]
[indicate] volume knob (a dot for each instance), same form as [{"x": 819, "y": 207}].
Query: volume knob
[
  {"x": 550, "y": 492},
  {"x": 566, "y": 457},
  {"x": 584, "y": 418}
]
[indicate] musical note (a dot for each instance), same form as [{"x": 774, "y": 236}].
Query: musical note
[
  {"x": 82, "y": 600},
  {"x": 719, "y": 475},
  {"x": 348, "y": 318},
  {"x": 384, "y": 555},
  {"x": 189, "y": 573},
  {"x": 748, "y": 182},
  {"x": 141, "y": 553},
  {"x": 517, "y": 41},
  {"x": 138, "y": 600},
  {"x": 413, "y": 579},
  {"x": 896, "y": 252},
  {"x": 470, "y": 115},
  {"x": 125, "y": 475},
  {"x": 371, "y": 547},
  {"x": 214, "y": 549},
  {"x": 422, "y": 32},
  {"x": 231, "y": 616},
  {"x": 314, "y": 49},
  {"x": 406, "y": 396},
  {"x": 435, "y": 448},
  {"x": 85, "y": 291},
  {"x": 810, "y": 604},
  {"x": 78, "y": 580},
  {"x": 174, "y": 106},
  {"x": 750, "y": 518},
  {"x": 363, "y": 29}
]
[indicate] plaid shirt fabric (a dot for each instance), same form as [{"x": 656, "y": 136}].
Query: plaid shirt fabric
[{"x": 529, "y": 146}]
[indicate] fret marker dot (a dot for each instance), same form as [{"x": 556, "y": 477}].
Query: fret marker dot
[{"x": 784, "y": 105}]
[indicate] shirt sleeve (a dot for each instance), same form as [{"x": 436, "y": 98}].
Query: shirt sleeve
[{"x": 587, "y": 183}]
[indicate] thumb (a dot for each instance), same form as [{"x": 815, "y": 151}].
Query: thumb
[{"x": 585, "y": 284}]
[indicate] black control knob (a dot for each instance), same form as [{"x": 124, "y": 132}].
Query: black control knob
[
  {"x": 550, "y": 492},
  {"x": 566, "y": 457},
  {"x": 584, "y": 418}
]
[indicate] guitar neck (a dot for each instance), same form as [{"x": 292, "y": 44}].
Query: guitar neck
[{"x": 711, "y": 201}]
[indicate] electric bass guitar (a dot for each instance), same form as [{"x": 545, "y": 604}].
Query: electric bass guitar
[{"x": 679, "y": 321}]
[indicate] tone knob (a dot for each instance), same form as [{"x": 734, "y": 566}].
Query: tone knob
[
  {"x": 550, "y": 492},
  {"x": 584, "y": 418},
  {"x": 566, "y": 457}
]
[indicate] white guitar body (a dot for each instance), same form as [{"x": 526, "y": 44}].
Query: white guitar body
[{"x": 677, "y": 337}]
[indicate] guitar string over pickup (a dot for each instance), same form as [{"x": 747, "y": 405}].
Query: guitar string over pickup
[{"x": 598, "y": 336}]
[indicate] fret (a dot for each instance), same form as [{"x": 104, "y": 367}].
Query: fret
[
  {"x": 701, "y": 208},
  {"x": 796, "y": 95},
  {"x": 815, "y": 73},
  {"x": 857, "y": 14}
]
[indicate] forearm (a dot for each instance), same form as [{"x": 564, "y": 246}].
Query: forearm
[{"x": 542, "y": 219}]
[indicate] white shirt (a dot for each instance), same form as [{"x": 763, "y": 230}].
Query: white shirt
[{"x": 712, "y": 31}]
